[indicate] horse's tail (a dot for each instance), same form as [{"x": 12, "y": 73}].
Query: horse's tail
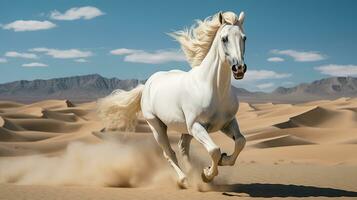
[{"x": 119, "y": 109}]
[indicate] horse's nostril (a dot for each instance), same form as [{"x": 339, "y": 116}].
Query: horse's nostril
[
  {"x": 245, "y": 68},
  {"x": 234, "y": 68}
]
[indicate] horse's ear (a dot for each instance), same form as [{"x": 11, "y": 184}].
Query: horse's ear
[
  {"x": 221, "y": 18},
  {"x": 241, "y": 17}
]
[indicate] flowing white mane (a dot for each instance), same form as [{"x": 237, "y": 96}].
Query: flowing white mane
[{"x": 197, "y": 40}]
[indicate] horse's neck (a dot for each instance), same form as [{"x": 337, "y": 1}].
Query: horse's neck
[{"x": 215, "y": 72}]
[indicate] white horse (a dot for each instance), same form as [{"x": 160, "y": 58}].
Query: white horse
[{"x": 193, "y": 103}]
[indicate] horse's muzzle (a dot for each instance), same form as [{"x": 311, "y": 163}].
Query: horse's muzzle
[{"x": 238, "y": 71}]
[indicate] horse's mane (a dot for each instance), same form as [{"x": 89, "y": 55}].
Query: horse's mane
[{"x": 197, "y": 40}]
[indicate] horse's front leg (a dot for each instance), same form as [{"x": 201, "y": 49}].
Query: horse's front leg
[
  {"x": 232, "y": 131},
  {"x": 201, "y": 135}
]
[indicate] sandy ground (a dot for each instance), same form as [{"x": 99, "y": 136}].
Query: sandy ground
[{"x": 54, "y": 150}]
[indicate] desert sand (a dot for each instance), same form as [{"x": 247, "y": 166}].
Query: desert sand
[{"x": 55, "y": 149}]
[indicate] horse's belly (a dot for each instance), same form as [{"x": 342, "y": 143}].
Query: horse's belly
[
  {"x": 172, "y": 117},
  {"x": 178, "y": 127},
  {"x": 170, "y": 114},
  {"x": 161, "y": 99}
]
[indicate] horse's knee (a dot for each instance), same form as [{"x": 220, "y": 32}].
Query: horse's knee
[{"x": 215, "y": 153}]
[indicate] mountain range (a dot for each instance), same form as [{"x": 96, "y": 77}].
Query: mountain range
[
  {"x": 75, "y": 88},
  {"x": 93, "y": 86}
]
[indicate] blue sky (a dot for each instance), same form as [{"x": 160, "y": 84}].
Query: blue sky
[{"x": 289, "y": 42}]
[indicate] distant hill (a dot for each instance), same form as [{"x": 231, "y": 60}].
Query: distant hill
[
  {"x": 335, "y": 86},
  {"x": 76, "y": 88},
  {"x": 93, "y": 86},
  {"x": 328, "y": 88}
]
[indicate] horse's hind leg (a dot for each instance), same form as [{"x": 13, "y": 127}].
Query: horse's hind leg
[
  {"x": 184, "y": 146},
  {"x": 159, "y": 130}
]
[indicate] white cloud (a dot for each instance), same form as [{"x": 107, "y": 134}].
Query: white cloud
[
  {"x": 301, "y": 56},
  {"x": 265, "y": 86},
  {"x": 87, "y": 12},
  {"x": 34, "y": 64},
  {"x": 14, "y": 54},
  {"x": 338, "y": 70},
  {"x": 275, "y": 59},
  {"x": 124, "y": 51},
  {"x": 81, "y": 60},
  {"x": 28, "y": 25},
  {"x": 3, "y": 60},
  {"x": 255, "y": 75},
  {"x": 64, "y": 54},
  {"x": 157, "y": 57}
]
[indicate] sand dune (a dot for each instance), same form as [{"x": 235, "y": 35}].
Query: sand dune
[
  {"x": 57, "y": 143},
  {"x": 285, "y": 140}
]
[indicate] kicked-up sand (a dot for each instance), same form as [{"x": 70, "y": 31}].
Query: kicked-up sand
[{"x": 55, "y": 149}]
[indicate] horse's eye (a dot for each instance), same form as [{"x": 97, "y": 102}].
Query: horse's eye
[
  {"x": 225, "y": 39},
  {"x": 244, "y": 38}
]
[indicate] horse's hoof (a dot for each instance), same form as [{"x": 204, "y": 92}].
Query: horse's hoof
[
  {"x": 207, "y": 178},
  {"x": 183, "y": 183},
  {"x": 226, "y": 160},
  {"x": 221, "y": 160},
  {"x": 204, "y": 178}
]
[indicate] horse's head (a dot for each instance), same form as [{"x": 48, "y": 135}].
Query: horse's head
[{"x": 232, "y": 42}]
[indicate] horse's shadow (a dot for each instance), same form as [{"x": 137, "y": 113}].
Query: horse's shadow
[{"x": 267, "y": 190}]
